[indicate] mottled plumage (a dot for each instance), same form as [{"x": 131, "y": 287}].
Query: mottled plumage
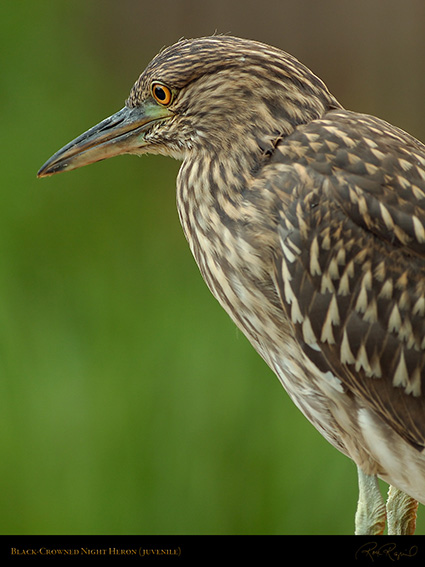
[{"x": 307, "y": 223}]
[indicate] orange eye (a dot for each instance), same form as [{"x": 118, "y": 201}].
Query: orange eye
[{"x": 162, "y": 94}]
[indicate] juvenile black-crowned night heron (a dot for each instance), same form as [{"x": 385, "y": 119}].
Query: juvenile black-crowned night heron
[{"x": 307, "y": 222}]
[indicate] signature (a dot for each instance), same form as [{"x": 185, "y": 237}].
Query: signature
[{"x": 373, "y": 551}]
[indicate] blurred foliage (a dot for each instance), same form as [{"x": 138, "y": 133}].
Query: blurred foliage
[{"x": 129, "y": 403}]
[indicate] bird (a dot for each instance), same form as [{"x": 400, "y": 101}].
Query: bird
[{"x": 307, "y": 223}]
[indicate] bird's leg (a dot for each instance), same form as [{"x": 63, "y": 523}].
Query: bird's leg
[
  {"x": 371, "y": 513},
  {"x": 401, "y": 512}
]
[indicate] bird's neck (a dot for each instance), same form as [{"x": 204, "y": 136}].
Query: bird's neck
[
  {"x": 223, "y": 222},
  {"x": 209, "y": 193},
  {"x": 214, "y": 182},
  {"x": 221, "y": 213}
]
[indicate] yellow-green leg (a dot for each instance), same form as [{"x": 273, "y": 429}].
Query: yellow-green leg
[
  {"x": 401, "y": 512},
  {"x": 371, "y": 512}
]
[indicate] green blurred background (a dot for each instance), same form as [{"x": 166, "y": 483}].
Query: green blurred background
[{"x": 129, "y": 403}]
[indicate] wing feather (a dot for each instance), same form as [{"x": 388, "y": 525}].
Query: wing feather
[{"x": 351, "y": 272}]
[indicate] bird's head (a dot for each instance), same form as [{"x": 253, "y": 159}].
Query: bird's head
[{"x": 214, "y": 95}]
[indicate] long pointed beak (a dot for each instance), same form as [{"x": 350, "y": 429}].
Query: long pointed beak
[{"x": 122, "y": 133}]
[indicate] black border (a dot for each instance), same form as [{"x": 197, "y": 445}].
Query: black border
[{"x": 205, "y": 550}]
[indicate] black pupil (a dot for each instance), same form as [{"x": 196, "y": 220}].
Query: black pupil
[{"x": 160, "y": 93}]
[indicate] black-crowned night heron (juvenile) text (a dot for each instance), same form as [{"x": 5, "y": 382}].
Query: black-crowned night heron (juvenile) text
[{"x": 307, "y": 222}]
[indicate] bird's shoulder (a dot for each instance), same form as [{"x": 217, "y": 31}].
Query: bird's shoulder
[
  {"x": 373, "y": 170},
  {"x": 350, "y": 265}
]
